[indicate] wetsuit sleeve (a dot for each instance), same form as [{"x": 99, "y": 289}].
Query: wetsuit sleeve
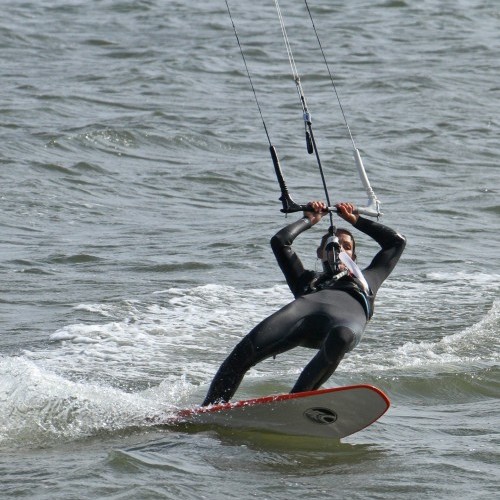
[
  {"x": 383, "y": 263},
  {"x": 291, "y": 266}
]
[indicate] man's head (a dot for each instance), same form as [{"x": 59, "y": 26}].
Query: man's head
[{"x": 346, "y": 242}]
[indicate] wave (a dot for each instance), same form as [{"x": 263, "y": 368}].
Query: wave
[
  {"x": 475, "y": 346},
  {"x": 40, "y": 408},
  {"x": 144, "y": 358},
  {"x": 183, "y": 327}
]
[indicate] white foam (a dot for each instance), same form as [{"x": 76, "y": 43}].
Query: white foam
[
  {"x": 478, "y": 278},
  {"x": 202, "y": 324},
  {"x": 40, "y": 407},
  {"x": 186, "y": 333},
  {"x": 477, "y": 344}
]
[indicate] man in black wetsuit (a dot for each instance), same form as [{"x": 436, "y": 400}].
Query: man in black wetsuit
[{"x": 330, "y": 310}]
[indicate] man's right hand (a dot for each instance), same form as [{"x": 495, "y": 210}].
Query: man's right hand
[{"x": 319, "y": 210}]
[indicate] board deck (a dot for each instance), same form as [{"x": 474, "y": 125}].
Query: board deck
[{"x": 328, "y": 413}]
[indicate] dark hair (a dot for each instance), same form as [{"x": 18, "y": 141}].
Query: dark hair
[{"x": 341, "y": 230}]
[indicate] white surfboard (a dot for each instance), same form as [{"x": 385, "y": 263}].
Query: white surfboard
[{"x": 328, "y": 413}]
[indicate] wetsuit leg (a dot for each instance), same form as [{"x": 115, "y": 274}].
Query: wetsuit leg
[
  {"x": 339, "y": 341},
  {"x": 231, "y": 373},
  {"x": 276, "y": 334}
]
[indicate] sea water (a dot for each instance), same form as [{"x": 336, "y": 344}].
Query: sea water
[{"x": 137, "y": 203}]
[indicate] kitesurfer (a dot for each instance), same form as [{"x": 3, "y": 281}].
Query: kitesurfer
[{"x": 330, "y": 310}]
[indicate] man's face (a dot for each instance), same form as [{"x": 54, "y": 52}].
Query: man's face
[{"x": 346, "y": 244}]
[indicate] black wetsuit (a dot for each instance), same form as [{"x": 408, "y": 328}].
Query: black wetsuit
[{"x": 326, "y": 315}]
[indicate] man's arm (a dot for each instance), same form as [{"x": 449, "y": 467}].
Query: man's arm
[
  {"x": 392, "y": 244},
  {"x": 385, "y": 260},
  {"x": 288, "y": 260}
]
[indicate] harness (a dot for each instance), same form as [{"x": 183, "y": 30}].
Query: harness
[{"x": 345, "y": 281}]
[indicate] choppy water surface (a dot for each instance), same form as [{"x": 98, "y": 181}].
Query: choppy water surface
[{"x": 137, "y": 203}]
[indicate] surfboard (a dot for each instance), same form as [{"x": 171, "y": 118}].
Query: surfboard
[{"x": 325, "y": 413}]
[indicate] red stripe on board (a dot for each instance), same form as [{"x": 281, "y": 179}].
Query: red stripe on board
[{"x": 279, "y": 397}]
